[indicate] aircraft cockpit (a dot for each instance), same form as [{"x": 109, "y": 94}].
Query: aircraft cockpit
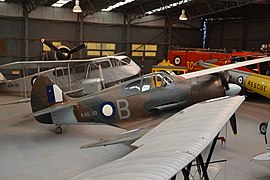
[{"x": 147, "y": 83}]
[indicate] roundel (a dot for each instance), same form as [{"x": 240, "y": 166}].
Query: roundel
[
  {"x": 107, "y": 109},
  {"x": 177, "y": 60},
  {"x": 240, "y": 79}
]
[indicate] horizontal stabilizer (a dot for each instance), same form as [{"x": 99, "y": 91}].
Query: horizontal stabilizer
[
  {"x": 121, "y": 138},
  {"x": 2, "y": 78},
  {"x": 54, "y": 108},
  {"x": 262, "y": 157},
  {"x": 16, "y": 102}
]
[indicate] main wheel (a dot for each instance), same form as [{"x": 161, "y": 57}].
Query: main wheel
[
  {"x": 263, "y": 127},
  {"x": 58, "y": 130}
]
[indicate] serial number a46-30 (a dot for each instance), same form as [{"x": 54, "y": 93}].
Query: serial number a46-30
[{"x": 88, "y": 114}]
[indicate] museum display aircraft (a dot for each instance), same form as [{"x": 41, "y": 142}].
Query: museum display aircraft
[
  {"x": 147, "y": 95},
  {"x": 265, "y": 156},
  {"x": 163, "y": 148},
  {"x": 75, "y": 77},
  {"x": 255, "y": 82}
]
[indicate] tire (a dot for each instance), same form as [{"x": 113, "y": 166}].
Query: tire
[
  {"x": 263, "y": 128},
  {"x": 58, "y": 130}
]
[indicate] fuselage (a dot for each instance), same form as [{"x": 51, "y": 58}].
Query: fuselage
[{"x": 138, "y": 100}]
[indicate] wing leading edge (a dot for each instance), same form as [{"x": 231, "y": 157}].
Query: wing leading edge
[{"x": 171, "y": 145}]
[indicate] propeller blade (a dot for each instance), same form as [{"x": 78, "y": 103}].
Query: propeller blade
[
  {"x": 224, "y": 82},
  {"x": 233, "y": 124},
  {"x": 50, "y": 45},
  {"x": 77, "y": 48}
]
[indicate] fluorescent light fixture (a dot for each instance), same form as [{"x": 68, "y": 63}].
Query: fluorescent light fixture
[
  {"x": 77, "y": 8},
  {"x": 60, "y": 3},
  {"x": 166, "y": 7},
  {"x": 117, "y": 5},
  {"x": 183, "y": 16}
]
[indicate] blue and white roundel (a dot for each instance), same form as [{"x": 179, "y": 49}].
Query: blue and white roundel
[
  {"x": 107, "y": 109},
  {"x": 240, "y": 79}
]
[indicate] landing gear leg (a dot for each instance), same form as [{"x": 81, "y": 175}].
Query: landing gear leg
[{"x": 58, "y": 130}]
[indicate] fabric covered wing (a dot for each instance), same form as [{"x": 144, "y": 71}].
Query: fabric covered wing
[{"x": 171, "y": 145}]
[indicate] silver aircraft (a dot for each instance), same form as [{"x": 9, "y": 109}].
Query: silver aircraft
[{"x": 74, "y": 77}]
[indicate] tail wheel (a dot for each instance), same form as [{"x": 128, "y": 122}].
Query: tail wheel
[
  {"x": 58, "y": 130},
  {"x": 177, "y": 60},
  {"x": 263, "y": 128}
]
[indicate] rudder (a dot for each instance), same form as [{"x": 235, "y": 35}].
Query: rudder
[{"x": 43, "y": 95}]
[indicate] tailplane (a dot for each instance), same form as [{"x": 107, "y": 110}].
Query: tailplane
[
  {"x": 43, "y": 95},
  {"x": 2, "y": 77}
]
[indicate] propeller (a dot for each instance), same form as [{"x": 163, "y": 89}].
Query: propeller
[
  {"x": 224, "y": 82},
  {"x": 63, "y": 52},
  {"x": 233, "y": 124}
]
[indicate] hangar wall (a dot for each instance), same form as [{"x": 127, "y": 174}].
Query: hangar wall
[
  {"x": 238, "y": 34},
  {"x": 60, "y": 24}
]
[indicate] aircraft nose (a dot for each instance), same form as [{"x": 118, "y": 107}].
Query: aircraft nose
[{"x": 234, "y": 89}]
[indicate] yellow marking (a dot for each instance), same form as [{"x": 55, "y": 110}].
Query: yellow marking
[{"x": 258, "y": 83}]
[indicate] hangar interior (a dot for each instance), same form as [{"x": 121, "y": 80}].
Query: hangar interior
[
  {"x": 228, "y": 24},
  {"x": 145, "y": 30}
]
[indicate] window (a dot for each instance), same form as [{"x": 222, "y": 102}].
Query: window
[
  {"x": 146, "y": 85},
  {"x": 100, "y": 49},
  {"x": 46, "y": 48},
  {"x": 144, "y": 50},
  {"x": 133, "y": 88},
  {"x": 2, "y": 46}
]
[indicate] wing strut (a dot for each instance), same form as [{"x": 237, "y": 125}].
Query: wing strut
[{"x": 201, "y": 166}]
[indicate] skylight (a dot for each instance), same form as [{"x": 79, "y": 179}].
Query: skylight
[
  {"x": 117, "y": 5},
  {"x": 166, "y": 7},
  {"x": 60, "y": 3}
]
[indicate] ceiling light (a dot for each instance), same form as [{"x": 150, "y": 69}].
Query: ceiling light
[
  {"x": 183, "y": 16},
  {"x": 2, "y": 0},
  {"x": 60, "y": 3},
  {"x": 77, "y": 8},
  {"x": 117, "y": 5},
  {"x": 166, "y": 7}
]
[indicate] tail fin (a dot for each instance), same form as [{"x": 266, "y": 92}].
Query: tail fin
[{"x": 43, "y": 95}]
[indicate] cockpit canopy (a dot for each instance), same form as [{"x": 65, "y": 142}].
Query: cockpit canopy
[{"x": 147, "y": 83}]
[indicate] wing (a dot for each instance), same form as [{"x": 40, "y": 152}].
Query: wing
[
  {"x": 121, "y": 138},
  {"x": 223, "y": 68},
  {"x": 16, "y": 102},
  {"x": 172, "y": 145},
  {"x": 48, "y": 64},
  {"x": 41, "y": 64}
]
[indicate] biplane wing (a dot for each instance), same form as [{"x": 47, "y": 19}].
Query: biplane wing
[
  {"x": 48, "y": 64},
  {"x": 173, "y": 144}
]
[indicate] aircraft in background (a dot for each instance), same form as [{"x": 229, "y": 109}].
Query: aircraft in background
[
  {"x": 63, "y": 52},
  {"x": 252, "y": 81},
  {"x": 75, "y": 77},
  {"x": 265, "y": 156}
]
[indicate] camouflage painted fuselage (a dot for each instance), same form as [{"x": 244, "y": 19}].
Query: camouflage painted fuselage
[{"x": 134, "y": 102}]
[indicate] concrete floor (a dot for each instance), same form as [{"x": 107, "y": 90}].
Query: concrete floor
[{"x": 30, "y": 150}]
